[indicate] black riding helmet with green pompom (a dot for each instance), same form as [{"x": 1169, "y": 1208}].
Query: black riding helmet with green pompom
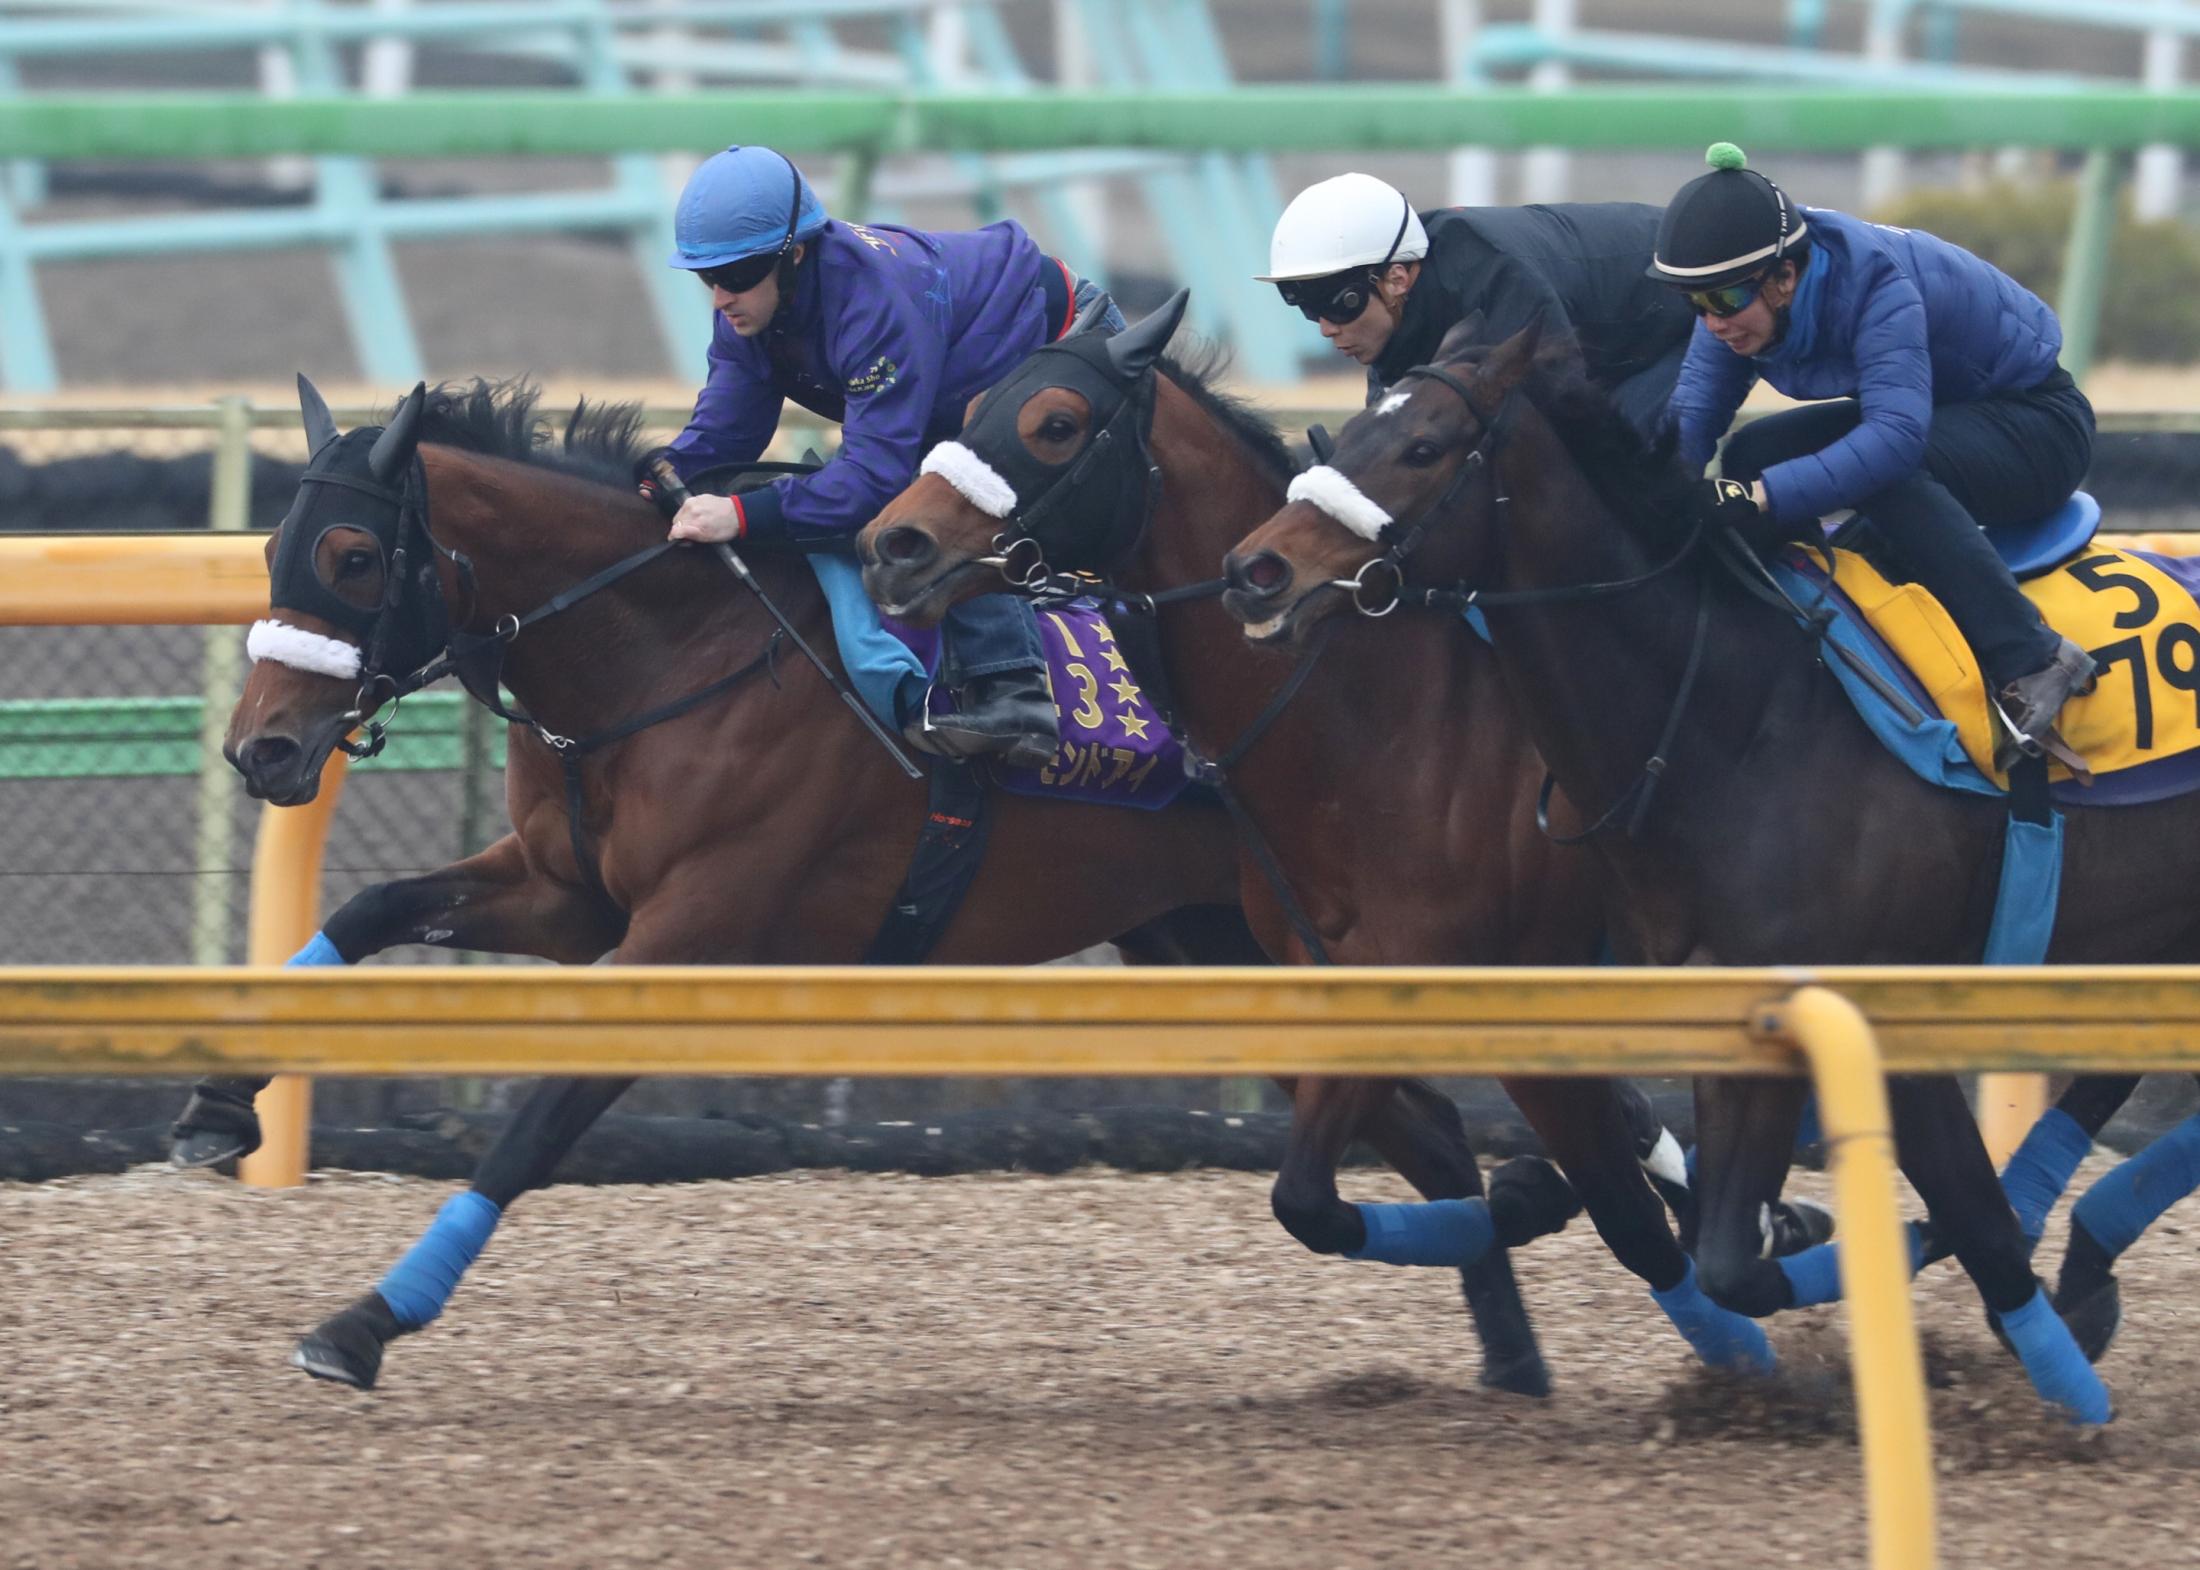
[{"x": 1725, "y": 226}]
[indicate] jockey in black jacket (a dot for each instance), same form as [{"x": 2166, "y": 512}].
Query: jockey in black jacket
[{"x": 1386, "y": 283}]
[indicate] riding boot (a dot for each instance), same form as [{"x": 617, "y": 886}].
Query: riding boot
[
  {"x": 2030, "y": 703},
  {"x": 1009, "y": 715}
]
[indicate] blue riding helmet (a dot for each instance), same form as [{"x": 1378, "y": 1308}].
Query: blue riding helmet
[{"x": 745, "y": 201}]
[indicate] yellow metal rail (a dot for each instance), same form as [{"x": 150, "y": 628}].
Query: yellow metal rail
[{"x": 834, "y": 1020}]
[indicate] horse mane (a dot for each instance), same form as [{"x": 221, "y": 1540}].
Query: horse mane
[
  {"x": 1195, "y": 374},
  {"x": 500, "y": 419},
  {"x": 1640, "y": 479}
]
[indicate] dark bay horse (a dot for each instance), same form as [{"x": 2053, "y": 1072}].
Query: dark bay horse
[
  {"x": 1396, "y": 785},
  {"x": 1745, "y": 813},
  {"x": 761, "y": 827}
]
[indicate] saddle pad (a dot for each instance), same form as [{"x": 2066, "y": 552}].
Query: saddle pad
[
  {"x": 1115, "y": 751},
  {"x": 2138, "y": 620}
]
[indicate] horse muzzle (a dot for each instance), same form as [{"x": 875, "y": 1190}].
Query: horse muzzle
[
  {"x": 1261, "y": 595},
  {"x": 284, "y": 770}
]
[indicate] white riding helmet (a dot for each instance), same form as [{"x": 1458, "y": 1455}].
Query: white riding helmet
[{"x": 1353, "y": 220}]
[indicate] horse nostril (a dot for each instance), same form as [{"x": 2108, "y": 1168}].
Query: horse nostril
[
  {"x": 1263, "y": 573},
  {"x": 907, "y": 547},
  {"x": 267, "y": 755}
]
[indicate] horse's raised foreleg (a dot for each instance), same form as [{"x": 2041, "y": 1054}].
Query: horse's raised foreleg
[
  {"x": 496, "y": 903},
  {"x": 1586, "y": 1128},
  {"x": 1947, "y": 1163},
  {"x": 347, "y": 1347}
]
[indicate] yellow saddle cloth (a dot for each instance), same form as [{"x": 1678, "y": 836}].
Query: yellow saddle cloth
[{"x": 2138, "y": 622}]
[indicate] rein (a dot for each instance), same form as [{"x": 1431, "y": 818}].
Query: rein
[
  {"x": 1402, "y": 540},
  {"x": 477, "y": 659}
]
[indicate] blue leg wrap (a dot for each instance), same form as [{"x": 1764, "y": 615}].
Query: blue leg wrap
[
  {"x": 318, "y": 951},
  {"x": 2042, "y": 1168},
  {"x": 1815, "y": 1273},
  {"x": 2134, "y": 1194},
  {"x": 420, "y": 1284},
  {"x": 1436, "y": 1232},
  {"x": 2059, "y": 1370},
  {"x": 1721, "y": 1337}
]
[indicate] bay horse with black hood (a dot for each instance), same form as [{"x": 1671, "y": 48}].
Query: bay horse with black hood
[
  {"x": 1745, "y": 813},
  {"x": 1386, "y": 784},
  {"x": 729, "y": 811}
]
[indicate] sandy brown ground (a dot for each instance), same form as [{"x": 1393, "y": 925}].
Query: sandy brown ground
[{"x": 1100, "y": 1370}]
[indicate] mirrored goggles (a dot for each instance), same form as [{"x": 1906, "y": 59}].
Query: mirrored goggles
[
  {"x": 741, "y": 276},
  {"x": 1730, "y": 300},
  {"x": 1339, "y": 299}
]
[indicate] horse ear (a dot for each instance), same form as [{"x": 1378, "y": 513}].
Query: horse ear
[
  {"x": 1511, "y": 360},
  {"x": 1088, "y": 319},
  {"x": 1465, "y": 335},
  {"x": 1134, "y": 350},
  {"x": 320, "y": 424},
  {"x": 393, "y": 449}
]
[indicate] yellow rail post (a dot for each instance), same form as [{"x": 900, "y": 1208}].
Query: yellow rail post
[
  {"x": 286, "y": 911},
  {"x": 2008, "y": 1106},
  {"x": 1875, "y": 1276}
]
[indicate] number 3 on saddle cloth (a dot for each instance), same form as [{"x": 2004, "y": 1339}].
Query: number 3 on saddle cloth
[
  {"x": 2138, "y": 730},
  {"x": 1115, "y": 750}
]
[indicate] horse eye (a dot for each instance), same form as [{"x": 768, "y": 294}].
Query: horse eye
[
  {"x": 1058, "y": 428},
  {"x": 356, "y": 561},
  {"x": 1423, "y": 453}
]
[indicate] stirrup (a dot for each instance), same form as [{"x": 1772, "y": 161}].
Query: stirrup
[{"x": 2049, "y": 743}]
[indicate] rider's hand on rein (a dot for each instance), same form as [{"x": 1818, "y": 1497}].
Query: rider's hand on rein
[{"x": 710, "y": 519}]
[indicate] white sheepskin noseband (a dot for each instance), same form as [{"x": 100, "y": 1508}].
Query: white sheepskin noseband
[
  {"x": 1325, "y": 488},
  {"x": 980, "y": 483},
  {"x": 302, "y": 650}
]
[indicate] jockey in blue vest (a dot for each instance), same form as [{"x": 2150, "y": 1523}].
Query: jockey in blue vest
[
  {"x": 891, "y": 332},
  {"x": 1946, "y": 407}
]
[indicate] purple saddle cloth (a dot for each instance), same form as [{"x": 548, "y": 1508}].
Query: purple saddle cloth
[{"x": 1115, "y": 751}]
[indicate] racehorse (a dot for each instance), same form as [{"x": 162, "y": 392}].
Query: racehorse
[
  {"x": 760, "y": 826},
  {"x": 1745, "y": 814},
  {"x": 1389, "y": 777}
]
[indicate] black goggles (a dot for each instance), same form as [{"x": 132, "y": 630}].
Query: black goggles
[
  {"x": 1339, "y": 299},
  {"x": 1730, "y": 300},
  {"x": 741, "y": 276}
]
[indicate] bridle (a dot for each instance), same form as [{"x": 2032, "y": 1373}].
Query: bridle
[{"x": 1401, "y": 538}]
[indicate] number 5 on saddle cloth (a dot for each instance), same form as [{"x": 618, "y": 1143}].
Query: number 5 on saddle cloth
[{"x": 2136, "y": 612}]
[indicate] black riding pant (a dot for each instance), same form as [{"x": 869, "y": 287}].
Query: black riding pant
[{"x": 2001, "y": 460}]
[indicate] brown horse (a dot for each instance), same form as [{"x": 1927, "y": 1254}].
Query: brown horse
[
  {"x": 1395, "y": 784},
  {"x": 1767, "y": 826},
  {"x": 761, "y": 826}
]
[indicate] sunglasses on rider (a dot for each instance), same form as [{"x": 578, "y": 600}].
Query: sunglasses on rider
[
  {"x": 741, "y": 276},
  {"x": 1339, "y": 300},
  {"x": 1730, "y": 300}
]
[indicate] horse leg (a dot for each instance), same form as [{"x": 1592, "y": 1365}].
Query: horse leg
[
  {"x": 347, "y": 1347},
  {"x": 1589, "y": 1130},
  {"x": 1419, "y": 1132},
  {"x": 494, "y": 903},
  {"x": 2109, "y": 1218},
  {"x": 1745, "y": 1141},
  {"x": 1944, "y": 1159}
]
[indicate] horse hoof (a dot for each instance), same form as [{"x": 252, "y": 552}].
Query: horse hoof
[
  {"x": 2094, "y": 1318},
  {"x": 1530, "y": 1198},
  {"x": 206, "y": 1147},
  {"x": 1520, "y": 1376},
  {"x": 1792, "y": 1225},
  {"x": 346, "y": 1348}
]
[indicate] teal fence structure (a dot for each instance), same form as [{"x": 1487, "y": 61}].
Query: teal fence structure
[
  {"x": 2103, "y": 123},
  {"x": 623, "y": 51}
]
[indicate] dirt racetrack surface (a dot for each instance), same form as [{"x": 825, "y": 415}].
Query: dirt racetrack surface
[{"x": 1094, "y": 1370}]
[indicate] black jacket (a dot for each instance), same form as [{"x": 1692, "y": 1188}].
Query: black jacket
[{"x": 1579, "y": 264}]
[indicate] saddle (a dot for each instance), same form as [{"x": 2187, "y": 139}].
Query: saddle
[{"x": 2135, "y": 612}]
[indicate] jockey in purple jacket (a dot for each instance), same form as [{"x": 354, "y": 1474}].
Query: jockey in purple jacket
[
  {"x": 1942, "y": 406},
  {"x": 891, "y": 332}
]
